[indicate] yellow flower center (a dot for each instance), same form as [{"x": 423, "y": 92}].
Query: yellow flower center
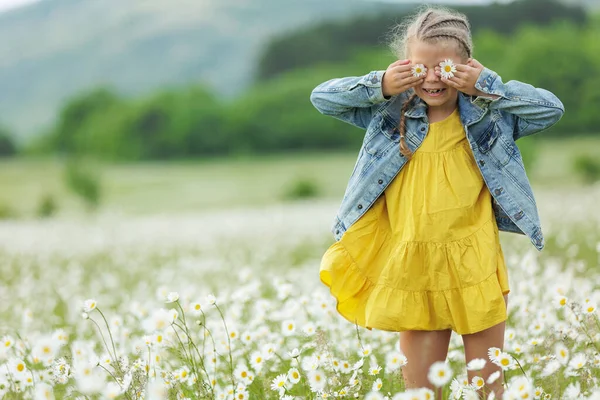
[
  {"x": 563, "y": 301},
  {"x": 504, "y": 361},
  {"x": 448, "y": 68},
  {"x": 244, "y": 374},
  {"x": 20, "y": 367}
]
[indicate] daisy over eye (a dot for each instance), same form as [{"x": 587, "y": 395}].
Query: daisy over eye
[
  {"x": 419, "y": 70},
  {"x": 448, "y": 68}
]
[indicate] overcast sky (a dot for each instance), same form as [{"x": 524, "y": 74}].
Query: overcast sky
[{"x": 8, "y": 4}]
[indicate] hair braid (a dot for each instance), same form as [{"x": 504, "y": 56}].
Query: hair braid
[{"x": 404, "y": 149}]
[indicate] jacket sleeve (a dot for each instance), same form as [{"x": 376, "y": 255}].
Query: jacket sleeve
[
  {"x": 351, "y": 99},
  {"x": 535, "y": 109}
]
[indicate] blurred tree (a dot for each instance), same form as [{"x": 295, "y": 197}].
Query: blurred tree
[
  {"x": 336, "y": 41},
  {"x": 7, "y": 146},
  {"x": 67, "y": 136}
]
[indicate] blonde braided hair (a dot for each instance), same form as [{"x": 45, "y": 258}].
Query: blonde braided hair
[{"x": 432, "y": 25}]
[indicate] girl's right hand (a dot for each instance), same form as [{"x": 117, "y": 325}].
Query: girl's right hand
[{"x": 398, "y": 78}]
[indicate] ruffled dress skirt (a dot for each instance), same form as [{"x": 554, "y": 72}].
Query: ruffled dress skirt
[{"x": 426, "y": 255}]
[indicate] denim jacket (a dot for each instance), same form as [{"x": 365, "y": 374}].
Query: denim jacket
[{"x": 491, "y": 126}]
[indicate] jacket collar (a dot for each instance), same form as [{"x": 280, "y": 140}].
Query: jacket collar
[{"x": 469, "y": 112}]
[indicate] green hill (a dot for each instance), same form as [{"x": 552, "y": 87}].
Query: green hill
[{"x": 54, "y": 49}]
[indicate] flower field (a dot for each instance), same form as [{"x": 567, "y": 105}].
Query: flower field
[{"x": 228, "y": 305}]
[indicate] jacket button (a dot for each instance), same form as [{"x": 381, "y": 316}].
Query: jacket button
[
  {"x": 380, "y": 181},
  {"x": 481, "y": 162},
  {"x": 337, "y": 232},
  {"x": 422, "y": 129},
  {"x": 498, "y": 191},
  {"x": 518, "y": 215},
  {"x": 360, "y": 206}
]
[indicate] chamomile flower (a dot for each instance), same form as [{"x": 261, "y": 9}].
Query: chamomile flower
[
  {"x": 578, "y": 361},
  {"x": 293, "y": 375},
  {"x": 278, "y": 383},
  {"x": 476, "y": 364},
  {"x": 439, "y": 373},
  {"x": 172, "y": 297},
  {"x": 419, "y": 70},
  {"x": 448, "y": 68},
  {"x": 494, "y": 353},
  {"x": 477, "y": 382},
  {"x": 89, "y": 305},
  {"x": 562, "y": 353},
  {"x": 377, "y": 385},
  {"x": 493, "y": 377},
  {"x": 395, "y": 360},
  {"x": 316, "y": 380},
  {"x": 505, "y": 361},
  {"x": 374, "y": 369}
]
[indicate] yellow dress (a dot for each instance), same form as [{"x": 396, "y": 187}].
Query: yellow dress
[{"x": 427, "y": 254}]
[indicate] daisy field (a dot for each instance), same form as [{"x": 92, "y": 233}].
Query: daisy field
[{"x": 228, "y": 305}]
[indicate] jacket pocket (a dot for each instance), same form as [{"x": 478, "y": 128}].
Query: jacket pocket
[
  {"x": 382, "y": 138},
  {"x": 495, "y": 145}
]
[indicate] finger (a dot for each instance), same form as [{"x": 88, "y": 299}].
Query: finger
[
  {"x": 450, "y": 82},
  {"x": 461, "y": 75},
  {"x": 476, "y": 64},
  {"x": 463, "y": 67},
  {"x": 406, "y": 75},
  {"x": 402, "y": 68},
  {"x": 399, "y": 62}
]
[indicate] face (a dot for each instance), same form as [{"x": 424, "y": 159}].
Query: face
[{"x": 433, "y": 91}]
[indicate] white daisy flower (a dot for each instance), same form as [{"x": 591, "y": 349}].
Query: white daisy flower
[
  {"x": 505, "y": 361},
  {"x": 448, "y": 68},
  {"x": 278, "y": 382},
  {"x": 562, "y": 353},
  {"x": 395, "y": 360},
  {"x": 419, "y": 70},
  {"x": 374, "y": 369},
  {"x": 493, "y": 377},
  {"x": 578, "y": 361},
  {"x": 172, "y": 297},
  {"x": 377, "y": 385},
  {"x": 293, "y": 375},
  {"x": 257, "y": 361},
  {"x": 560, "y": 301},
  {"x": 550, "y": 368},
  {"x": 476, "y": 364},
  {"x": 470, "y": 394},
  {"x": 211, "y": 299},
  {"x": 89, "y": 305},
  {"x": 439, "y": 373},
  {"x": 477, "y": 382},
  {"x": 288, "y": 327},
  {"x": 521, "y": 388},
  {"x": 316, "y": 380},
  {"x": 493, "y": 353},
  {"x": 374, "y": 396}
]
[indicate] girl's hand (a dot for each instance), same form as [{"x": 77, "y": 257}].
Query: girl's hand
[
  {"x": 398, "y": 78},
  {"x": 465, "y": 77}
]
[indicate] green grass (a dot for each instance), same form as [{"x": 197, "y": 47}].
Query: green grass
[{"x": 204, "y": 184}]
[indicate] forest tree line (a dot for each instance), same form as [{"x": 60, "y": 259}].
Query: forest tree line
[{"x": 557, "y": 51}]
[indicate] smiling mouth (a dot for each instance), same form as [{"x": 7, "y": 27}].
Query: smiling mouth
[{"x": 434, "y": 92}]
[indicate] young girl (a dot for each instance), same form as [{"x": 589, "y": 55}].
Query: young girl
[{"x": 437, "y": 176}]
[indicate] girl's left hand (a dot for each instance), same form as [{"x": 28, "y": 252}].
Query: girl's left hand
[{"x": 465, "y": 77}]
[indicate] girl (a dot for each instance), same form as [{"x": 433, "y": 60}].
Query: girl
[{"x": 437, "y": 176}]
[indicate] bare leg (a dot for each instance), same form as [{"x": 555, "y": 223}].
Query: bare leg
[
  {"x": 423, "y": 348},
  {"x": 477, "y": 345}
]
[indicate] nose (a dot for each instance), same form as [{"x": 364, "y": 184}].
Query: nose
[{"x": 431, "y": 77}]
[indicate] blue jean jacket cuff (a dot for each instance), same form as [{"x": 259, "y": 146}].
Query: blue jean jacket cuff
[
  {"x": 373, "y": 81},
  {"x": 489, "y": 84}
]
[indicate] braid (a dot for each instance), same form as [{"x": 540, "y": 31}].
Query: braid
[
  {"x": 433, "y": 25},
  {"x": 404, "y": 149}
]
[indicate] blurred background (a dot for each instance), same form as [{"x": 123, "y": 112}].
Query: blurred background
[{"x": 151, "y": 106}]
